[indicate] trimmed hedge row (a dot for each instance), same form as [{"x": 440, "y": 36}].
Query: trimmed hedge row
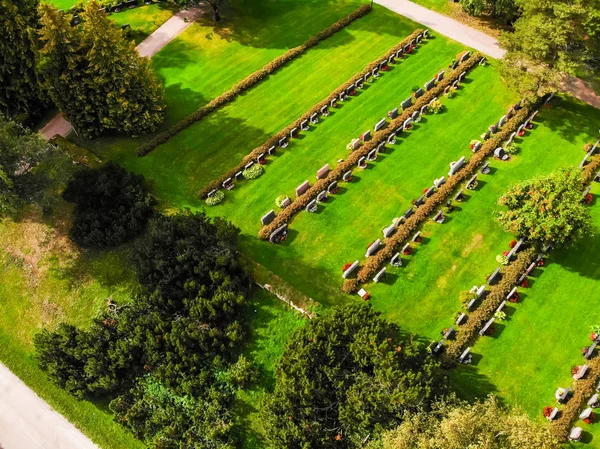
[
  {"x": 584, "y": 389},
  {"x": 467, "y": 333},
  {"x": 378, "y": 137},
  {"x": 251, "y": 80},
  {"x": 285, "y": 132},
  {"x": 403, "y": 231},
  {"x": 77, "y": 154}
]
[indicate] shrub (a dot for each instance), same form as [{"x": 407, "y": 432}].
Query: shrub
[
  {"x": 216, "y": 198},
  {"x": 436, "y": 107},
  {"x": 511, "y": 148},
  {"x": 466, "y": 296},
  {"x": 452, "y": 92},
  {"x": 253, "y": 172},
  {"x": 502, "y": 259},
  {"x": 415, "y": 88},
  {"x": 279, "y": 200},
  {"x": 500, "y": 315}
]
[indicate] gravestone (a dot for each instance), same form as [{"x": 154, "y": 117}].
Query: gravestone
[
  {"x": 462, "y": 76},
  {"x": 459, "y": 195},
  {"x": 373, "y": 248},
  {"x": 380, "y": 124},
  {"x": 408, "y": 213},
  {"x": 407, "y": 123},
  {"x": 362, "y": 162},
  {"x": 355, "y": 143},
  {"x": 271, "y": 151},
  {"x": 333, "y": 188},
  {"x": 449, "y": 333},
  {"x": 406, "y": 103},
  {"x": 396, "y": 260},
  {"x": 388, "y": 231},
  {"x": 511, "y": 138},
  {"x": 419, "y": 201},
  {"x": 419, "y": 93},
  {"x": 393, "y": 113},
  {"x": 372, "y": 155},
  {"x": 302, "y": 188},
  {"x": 342, "y": 97},
  {"x": 360, "y": 83},
  {"x": 211, "y": 193},
  {"x": 399, "y": 130},
  {"x": 294, "y": 133},
  {"x": 286, "y": 202},
  {"x": 350, "y": 269},
  {"x": 322, "y": 172},
  {"x": 347, "y": 177},
  {"x": 406, "y": 249},
  {"x": 380, "y": 275},
  {"x": 314, "y": 118},
  {"x": 426, "y": 34},
  {"x": 466, "y": 358},
  {"x": 375, "y": 72},
  {"x": 430, "y": 84},
  {"x": 381, "y": 146},
  {"x": 518, "y": 105},
  {"x": 248, "y": 165},
  {"x": 584, "y": 161},
  {"x": 502, "y": 121},
  {"x": 590, "y": 350},
  {"x": 415, "y": 117},
  {"x": 500, "y": 154},
  {"x": 476, "y": 147},
  {"x": 480, "y": 291},
  {"x": 454, "y": 64},
  {"x": 304, "y": 126},
  {"x": 501, "y": 306},
  {"x": 351, "y": 88},
  {"x": 440, "y": 76},
  {"x": 279, "y": 234},
  {"x": 333, "y": 103},
  {"x": 487, "y": 135},
  {"x": 456, "y": 166},
  {"x": 406, "y": 48},
  {"x": 511, "y": 293},
  {"x": 283, "y": 142},
  {"x": 485, "y": 328},
  {"x": 399, "y": 53},
  {"x": 383, "y": 65},
  {"x": 268, "y": 217},
  {"x": 391, "y": 59},
  {"x": 563, "y": 397},
  {"x": 261, "y": 158},
  {"x": 439, "y": 182},
  {"x": 424, "y": 109},
  {"x": 417, "y": 237},
  {"x": 239, "y": 176},
  {"x": 429, "y": 192},
  {"x": 465, "y": 56},
  {"x": 228, "y": 184},
  {"x": 485, "y": 169},
  {"x": 494, "y": 128},
  {"x": 366, "y": 136},
  {"x": 325, "y": 111},
  {"x": 472, "y": 183},
  {"x": 461, "y": 319},
  {"x": 439, "y": 217},
  {"x": 520, "y": 129},
  {"x": 312, "y": 206},
  {"x": 494, "y": 277},
  {"x": 471, "y": 304},
  {"x": 455, "y": 84},
  {"x": 322, "y": 196}
]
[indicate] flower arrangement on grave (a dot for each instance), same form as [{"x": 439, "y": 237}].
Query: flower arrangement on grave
[
  {"x": 587, "y": 147},
  {"x": 353, "y": 92},
  {"x": 588, "y": 198},
  {"x": 346, "y": 266},
  {"x": 449, "y": 206},
  {"x": 466, "y": 296},
  {"x": 452, "y": 92},
  {"x": 279, "y": 200},
  {"x": 514, "y": 298},
  {"x": 253, "y": 172},
  {"x": 574, "y": 370},
  {"x": 500, "y": 315},
  {"x": 529, "y": 125},
  {"x": 366, "y": 297},
  {"x": 350, "y": 146},
  {"x": 595, "y": 332},
  {"x": 502, "y": 259},
  {"x": 548, "y": 411},
  {"x": 541, "y": 262},
  {"x": 407, "y": 251},
  {"x": 369, "y": 245},
  {"x": 584, "y": 350},
  {"x": 512, "y": 244},
  {"x": 385, "y": 68},
  {"x": 588, "y": 420},
  {"x": 425, "y": 189},
  {"x": 474, "y": 142},
  {"x": 436, "y": 106},
  {"x": 216, "y": 198},
  {"x": 521, "y": 133},
  {"x": 419, "y": 239},
  {"x": 444, "y": 330},
  {"x": 525, "y": 283},
  {"x": 511, "y": 148}
]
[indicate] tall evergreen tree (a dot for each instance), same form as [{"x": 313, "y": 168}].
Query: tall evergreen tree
[
  {"x": 19, "y": 89},
  {"x": 96, "y": 77}
]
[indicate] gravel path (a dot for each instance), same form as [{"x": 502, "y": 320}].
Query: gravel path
[{"x": 27, "y": 422}]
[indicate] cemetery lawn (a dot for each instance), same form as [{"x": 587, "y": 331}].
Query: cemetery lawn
[
  {"x": 202, "y": 152},
  {"x": 145, "y": 19},
  {"x": 313, "y": 256},
  {"x": 534, "y": 350}
]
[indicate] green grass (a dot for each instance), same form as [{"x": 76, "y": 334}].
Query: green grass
[
  {"x": 536, "y": 347},
  {"x": 272, "y": 322},
  {"x": 208, "y": 148},
  {"x": 145, "y": 19},
  {"x": 319, "y": 244}
]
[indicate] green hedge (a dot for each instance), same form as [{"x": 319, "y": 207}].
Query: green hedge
[
  {"x": 432, "y": 204},
  {"x": 77, "y": 154},
  {"x": 251, "y": 80},
  {"x": 285, "y": 132}
]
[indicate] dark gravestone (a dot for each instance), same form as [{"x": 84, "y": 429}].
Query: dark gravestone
[
  {"x": 419, "y": 93},
  {"x": 279, "y": 234},
  {"x": 408, "y": 213},
  {"x": 393, "y": 113},
  {"x": 494, "y": 277},
  {"x": 268, "y": 217},
  {"x": 430, "y": 84},
  {"x": 406, "y": 103},
  {"x": 380, "y": 124}
]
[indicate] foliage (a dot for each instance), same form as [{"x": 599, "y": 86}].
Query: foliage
[
  {"x": 19, "y": 149},
  {"x": 111, "y": 206},
  {"x": 511, "y": 148},
  {"x": 502, "y": 259},
  {"x": 167, "y": 358},
  {"x": 458, "y": 425},
  {"x": 279, "y": 200},
  {"x": 20, "y": 93},
  {"x": 216, "y": 198},
  {"x": 96, "y": 77},
  {"x": 436, "y": 107},
  {"x": 505, "y": 10},
  {"x": 466, "y": 296},
  {"x": 551, "y": 39},
  {"x": 344, "y": 376},
  {"x": 251, "y": 80},
  {"x": 500, "y": 315},
  {"x": 547, "y": 209},
  {"x": 253, "y": 172}
]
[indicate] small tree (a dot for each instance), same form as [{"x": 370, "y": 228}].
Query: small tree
[
  {"x": 111, "y": 206},
  {"x": 458, "y": 425},
  {"x": 547, "y": 209}
]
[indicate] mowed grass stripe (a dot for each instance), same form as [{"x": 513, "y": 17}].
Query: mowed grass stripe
[
  {"x": 326, "y": 142},
  {"x": 423, "y": 296},
  {"x": 319, "y": 244},
  {"x": 200, "y": 153}
]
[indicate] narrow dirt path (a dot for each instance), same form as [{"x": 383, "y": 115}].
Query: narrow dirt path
[
  {"x": 26, "y": 421},
  {"x": 148, "y": 48},
  {"x": 477, "y": 40}
]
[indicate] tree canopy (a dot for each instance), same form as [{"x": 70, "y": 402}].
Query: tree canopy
[
  {"x": 505, "y": 10},
  {"x": 458, "y": 425},
  {"x": 95, "y": 76},
  {"x": 111, "y": 206},
  {"x": 547, "y": 209},
  {"x": 20, "y": 92},
  {"x": 344, "y": 376}
]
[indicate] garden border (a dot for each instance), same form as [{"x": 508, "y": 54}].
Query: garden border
[
  {"x": 285, "y": 132},
  {"x": 336, "y": 174},
  {"x": 251, "y": 80}
]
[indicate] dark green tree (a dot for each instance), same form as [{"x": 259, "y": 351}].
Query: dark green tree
[
  {"x": 504, "y": 10},
  {"x": 547, "y": 209},
  {"x": 111, "y": 206},
  {"x": 19, "y": 88},
  {"x": 344, "y": 376},
  {"x": 20, "y": 150},
  {"x": 96, "y": 77}
]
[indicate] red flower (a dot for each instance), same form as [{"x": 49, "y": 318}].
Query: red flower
[
  {"x": 262, "y": 162},
  {"x": 505, "y": 253},
  {"x": 525, "y": 283},
  {"x": 587, "y": 421},
  {"x": 588, "y": 199},
  {"x": 514, "y": 298},
  {"x": 593, "y": 336},
  {"x": 541, "y": 263},
  {"x": 346, "y": 266},
  {"x": 574, "y": 369},
  {"x": 512, "y": 243},
  {"x": 547, "y": 411},
  {"x": 425, "y": 190},
  {"x": 407, "y": 251},
  {"x": 521, "y": 133}
]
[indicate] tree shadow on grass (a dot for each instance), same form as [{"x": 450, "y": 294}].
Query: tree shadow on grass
[
  {"x": 570, "y": 118},
  {"x": 582, "y": 258},
  {"x": 469, "y": 383}
]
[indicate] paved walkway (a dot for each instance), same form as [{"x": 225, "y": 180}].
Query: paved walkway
[
  {"x": 148, "y": 47},
  {"x": 27, "y": 422},
  {"x": 477, "y": 40}
]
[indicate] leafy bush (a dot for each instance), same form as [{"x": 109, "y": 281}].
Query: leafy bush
[
  {"x": 253, "y": 172},
  {"x": 452, "y": 92},
  {"x": 279, "y": 200},
  {"x": 500, "y": 315},
  {"x": 466, "y": 296},
  {"x": 216, "y": 198},
  {"x": 502, "y": 259},
  {"x": 511, "y": 148},
  {"x": 111, "y": 206},
  {"x": 436, "y": 107}
]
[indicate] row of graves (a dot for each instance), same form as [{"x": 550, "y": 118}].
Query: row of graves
[{"x": 586, "y": 159}]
